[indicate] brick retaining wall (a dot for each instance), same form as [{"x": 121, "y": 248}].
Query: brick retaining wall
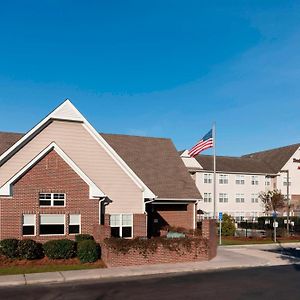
[{"x": 202, "y": 248}]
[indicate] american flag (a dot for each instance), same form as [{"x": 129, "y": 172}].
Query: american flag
[{"x": 205, "y": 143}]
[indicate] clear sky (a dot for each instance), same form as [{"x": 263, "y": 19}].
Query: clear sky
[{"x": 156, "y": 68}]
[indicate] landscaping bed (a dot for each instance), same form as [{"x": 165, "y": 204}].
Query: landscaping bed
[
  {"x": 23, "y": 266},
  {"x": 29, "y": 256},
  {"x": 256, "y": 240}
]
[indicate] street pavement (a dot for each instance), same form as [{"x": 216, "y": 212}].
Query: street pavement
[
  {"x": 229, "y": 257},
  {"x": 280, "y": 282}
]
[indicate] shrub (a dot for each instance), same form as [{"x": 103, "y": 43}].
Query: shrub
[
  {"x": 87, "y": 251},
  {"x": 60, "y": 249},
  {"x": 228, "y": 225},
  {"x": 9, "y": 248},
  {"x": 29, "y": 249},
  {"x": 83, "y": 237}
]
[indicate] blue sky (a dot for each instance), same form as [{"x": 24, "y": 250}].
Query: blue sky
[{"x": 156, "y": 68}]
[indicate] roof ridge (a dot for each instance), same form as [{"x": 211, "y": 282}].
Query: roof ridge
[
  {"x": 11, "y": 132},
  {"x": 138, "y": 136},
  {"x": 273, "y": 149}
]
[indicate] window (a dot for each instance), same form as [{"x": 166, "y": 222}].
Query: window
[
  {"x": 254, "y": 180},
  {"x": 223, "y": 179},
  {"x": 223, "y": 198},
  {"x": 121, "y": 225},
  {"x": 74, "y": 224},
  {"x": 285, "y": 181},
  {"x": 28, "y": 227},
  {"x": 207, "y": 178},
  {"x": 240, "y": 179},
  {"x": 207, "y": 197},
  {"x": 268, "y": 181},
  {"x": 51, "y": 224},
  {"x": 52, "y": 199},
  {"x": 239, "y": 216},
  {"x": 239, "y": 198},
  {"x": 254, "y": 198}
]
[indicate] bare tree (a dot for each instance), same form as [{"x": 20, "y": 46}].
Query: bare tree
[{"x": 272, "y": 200}]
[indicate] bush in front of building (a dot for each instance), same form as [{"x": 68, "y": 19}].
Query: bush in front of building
[
  {"x": 83, "y": 237},
  {"x": 88, "y": 251},
  {"x": 228, "y": 225},
  {"x": 29, "y": 249},
  {"x": 9, "y": 248},
  {"x": 60, "y": 249}
]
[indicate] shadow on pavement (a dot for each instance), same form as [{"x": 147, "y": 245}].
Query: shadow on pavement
[{"x": 289, "y": 254}]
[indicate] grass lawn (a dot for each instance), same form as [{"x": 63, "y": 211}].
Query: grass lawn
[
  {"x": 12, "y": 267},
  {"x": 227, "y": 241}
]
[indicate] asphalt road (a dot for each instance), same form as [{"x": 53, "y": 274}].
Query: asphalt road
[{"x": 256, "y": 283}]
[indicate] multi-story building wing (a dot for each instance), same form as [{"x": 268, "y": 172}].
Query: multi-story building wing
[{"x": 240, "y": 180}]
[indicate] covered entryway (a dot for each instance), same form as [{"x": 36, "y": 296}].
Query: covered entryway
[{"x": 170, "y": 213}]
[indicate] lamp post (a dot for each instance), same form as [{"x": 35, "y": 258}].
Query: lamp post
[{"x": 288, "y": 199}]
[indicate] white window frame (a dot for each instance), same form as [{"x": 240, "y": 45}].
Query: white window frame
[
  {"x": 74, "y": 224},
  {"x": 207, "y": 178},
  {"x": 34, "y": 224},
  {"x": 240, "y": 179},
  {"x": 254, "y": 180},
  {"x": 121, "y": 224},
  {"x": 284, "y": 181},
  {"x": 223, "y": 178},
  {"x": 52, "y": 234},
  {"x": 240, "y": 198},
  {"x": 267, "y": 181},
  {"x": 52, "y": 199},
  {"x": 254, "y": 198},
  {"x": 207, "y": 197},
  {"x": 223, "y": 196}
]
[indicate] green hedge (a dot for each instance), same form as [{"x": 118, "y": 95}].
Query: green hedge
[
  {"x": 83, "y": 237},
  {"x": 9, "y": 248},
  {"x": 88, "y": 251},
  {"x": 29, "y": 249},
  {"x": 60, "y": 249}
]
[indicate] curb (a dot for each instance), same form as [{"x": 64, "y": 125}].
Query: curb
[{"x": 94, "y": 274}]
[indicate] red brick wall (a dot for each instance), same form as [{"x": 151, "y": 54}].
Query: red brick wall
[
  {"x": 51, "y": 174},
  {"x": 203, "y": 248},
  {"x": 209, "y": 231},
  {"x": 139, "y": 225},
  {"x": 178, "y": 218}
]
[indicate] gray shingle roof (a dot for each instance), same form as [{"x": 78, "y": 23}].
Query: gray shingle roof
[
  {"x": 276, "y": 158},
  {"x": 235, "y": 164},
  {"x": 156, "y": 162}
]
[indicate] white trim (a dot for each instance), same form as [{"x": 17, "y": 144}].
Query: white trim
[
  {"x": 121, "y": 224},
  {"x": 69, "y": 223},
  {"x": 95, "y": 192},
  {"x": 34, "y": 224},
  {"x": 51, "y": 234},
  {"x": 52, "y": 200},
  {"x": 78, "y": 117},
  {"x": 176, "y": 199}
]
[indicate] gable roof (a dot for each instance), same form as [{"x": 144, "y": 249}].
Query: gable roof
[
  {"x": 276, "y": 158},
  {"x": 154, "y": 160},
  {"x": 235, "y": 164},
  {"x": 68, "y": 112}
]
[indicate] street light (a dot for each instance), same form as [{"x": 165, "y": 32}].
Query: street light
[{"x": 288, "y": 199}]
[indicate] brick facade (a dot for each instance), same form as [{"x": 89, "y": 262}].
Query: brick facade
[{"x": 50, "y": 174}]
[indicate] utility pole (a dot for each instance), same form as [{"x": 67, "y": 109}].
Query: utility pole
[{"x": 288, "y": 199}]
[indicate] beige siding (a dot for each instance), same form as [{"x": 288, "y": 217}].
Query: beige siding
[{"x": 84, "y": 150}]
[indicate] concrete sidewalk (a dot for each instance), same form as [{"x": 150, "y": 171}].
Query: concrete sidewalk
[{"x": 229, "y": 257}]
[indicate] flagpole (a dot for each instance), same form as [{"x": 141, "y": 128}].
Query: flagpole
[{"x": 215, "y": 169}]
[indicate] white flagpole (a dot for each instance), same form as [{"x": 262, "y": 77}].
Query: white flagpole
[{"x": 215, "y": 169}]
